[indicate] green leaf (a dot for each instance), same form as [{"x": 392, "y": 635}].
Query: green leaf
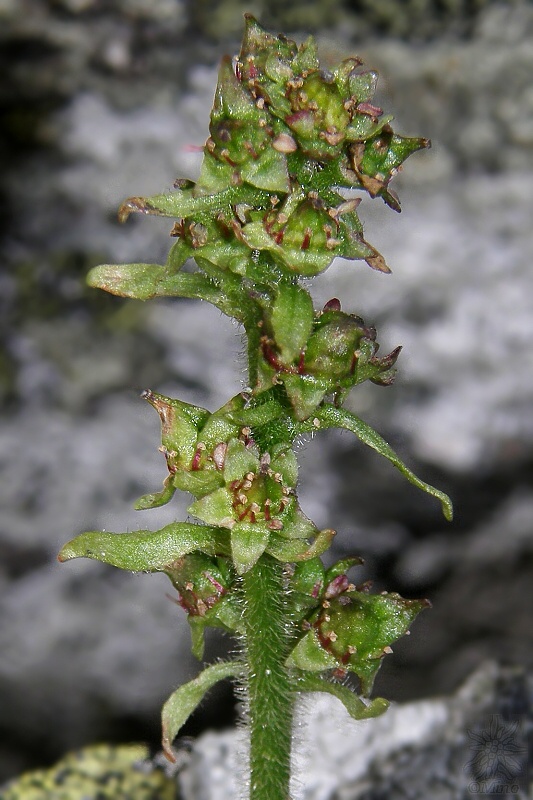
[
  {"x": 355, "y": 706},
  {"x": 147, "y": 551},
  {"x": 339, "y": 418},
  {"x": 184, "y": 700},
  {"x": 248, "y": 543},
  {"x": 145, "y": 281}
]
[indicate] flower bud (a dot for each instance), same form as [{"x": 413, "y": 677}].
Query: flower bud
[
  {"x": 330, "y": 352},
  {"x": 358, "y": 628},
  {"x": 318, "y": 117},
  {"x": 353, "y": 630},
  {"x": 200, "y": 580}
]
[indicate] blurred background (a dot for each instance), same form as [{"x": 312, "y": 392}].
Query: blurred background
[{"x": 102, "y": 100}]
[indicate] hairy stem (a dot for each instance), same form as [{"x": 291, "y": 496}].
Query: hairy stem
[{"x": 269, "y": 696}]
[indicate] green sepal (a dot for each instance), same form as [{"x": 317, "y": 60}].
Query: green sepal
[
  {"x": 240, "y": 460},
  {"x": 341, "y": 567},
  {"x": 291, "y": 550},
  {"x": 310, "y": 656},
  {"x": 147, "y": 551},
  {"x": 268, "y": 172},
  {"x": 319, "y": 118},
  {"x": 180, "y": 424},
  {"x": 232, "y": 101},
  {"x": 215, "y": 508},
  {"x": 184, "y": 700},
  {"x": 306, "y": 59},
  {"x": 309, "y": 578},
  {"x": 356, "y": 707},
  {"x": 224, "y": 423},
  {"x": 262, "y": 413},
  {"x": 388, "y": 151},
  {"x": 226, "y": 614},
  {"x": 292, "y": 321},
  {"x": 333, "y": 417},
  {"x": 364, "y": 126},
  {"x": 330, "y": 350},
  {"x": 296, "y": 525},
  {"x": 284, "y": 461},
  {"x": 362, "y": 85},
  {"x": 310, "y": 261},
  {"x": 248, "y": 543},
  {"x": 201, "y": 580},
  {"x": 157, "y": 499},
  {"x": 204, "y": 584},
  {"x": 199, "y": 483},
  {"x": 306, "y": 586},
  {"x": 271, "y": 57},
  {"x": 215, "y": 176},
  {"x": 376, "y": 161},
  {"x": 305, "y": 393}
]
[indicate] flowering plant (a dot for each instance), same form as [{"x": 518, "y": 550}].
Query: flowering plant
[{"x": 289, "y": 146}]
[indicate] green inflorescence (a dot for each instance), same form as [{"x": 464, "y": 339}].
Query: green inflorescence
[{"x": 291, "y": 148}]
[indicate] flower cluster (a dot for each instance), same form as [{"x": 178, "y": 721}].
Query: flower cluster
[{"x": 289, "y": 146}]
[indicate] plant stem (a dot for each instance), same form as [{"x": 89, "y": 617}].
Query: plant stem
[{"x": 269, "y": 696}]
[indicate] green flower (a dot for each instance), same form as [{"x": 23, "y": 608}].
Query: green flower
[{"x": 346, "y": 628}]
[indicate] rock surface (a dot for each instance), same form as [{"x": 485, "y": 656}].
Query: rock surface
[{"x": 474, "y": 742}]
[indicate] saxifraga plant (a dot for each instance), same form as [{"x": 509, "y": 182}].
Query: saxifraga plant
[{"x": 286, "y": 138}]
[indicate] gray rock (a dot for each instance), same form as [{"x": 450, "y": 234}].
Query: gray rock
[{"x": 474, "y": 742}]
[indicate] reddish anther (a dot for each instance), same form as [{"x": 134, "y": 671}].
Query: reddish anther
[
  {"x": 369, "y": 110},
  {"x": 218, "y": 586},
  {"x": 337, "y": 586},
  {"x": 195, "y": 464},
  {"x": 332, "y": 305},
  {"x": 307, "y": 239},
  {"x": 316, "y": 589}
]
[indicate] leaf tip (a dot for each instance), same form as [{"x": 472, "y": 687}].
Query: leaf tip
[
  {"x": 447, "y": 507},
  {"x": 65, "y": 554},
  {"x": 134, "y": 204},
  {"x": 167, "y": 749}
]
